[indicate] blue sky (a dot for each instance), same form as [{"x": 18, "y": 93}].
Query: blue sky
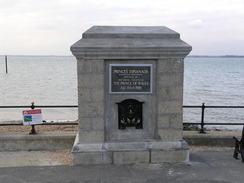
[{"x": 50, "y": 27}]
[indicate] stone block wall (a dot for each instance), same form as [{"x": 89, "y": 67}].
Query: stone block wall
[
  {"x": 170, "y": 98},
  {"x": 91, "y": 89},
  {"x": 91, "y": 100}
]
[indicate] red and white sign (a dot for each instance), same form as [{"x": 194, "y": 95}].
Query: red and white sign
[{"x": 32, "y": 117}]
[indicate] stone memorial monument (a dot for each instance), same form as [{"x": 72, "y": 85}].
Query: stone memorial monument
[{"x": 130, "y": 95}]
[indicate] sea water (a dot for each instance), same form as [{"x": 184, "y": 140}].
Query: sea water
[
  {"x": 217, "y": 82},
  {"x": 50, "y": 80},
  {"x": 44, "y": 80}
]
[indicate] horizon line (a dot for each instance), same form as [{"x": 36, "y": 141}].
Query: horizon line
[{"x": 74, "y": 56}]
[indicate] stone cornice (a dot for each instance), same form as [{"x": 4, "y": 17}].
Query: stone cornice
[{"x": 127, "y": 44}]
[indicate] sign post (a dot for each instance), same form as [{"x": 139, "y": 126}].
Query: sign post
[{"x": 32, "y": 117}]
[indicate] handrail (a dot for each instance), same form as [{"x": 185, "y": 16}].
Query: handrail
[
  {"x": 45, "y": 123},
  {"x": 199, "y": 106},
  {"x": 40, "y": 106},
  {"x": 202, "y": 123},
  {"x": 33, "y": 106}
]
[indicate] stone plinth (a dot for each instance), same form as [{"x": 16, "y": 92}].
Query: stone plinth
[{"x": 143, "y": 64}]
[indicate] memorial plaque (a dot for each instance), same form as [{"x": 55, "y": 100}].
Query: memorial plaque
[
  {"x": 130, "y": 78},
  {"x": 130, "y": 114}
]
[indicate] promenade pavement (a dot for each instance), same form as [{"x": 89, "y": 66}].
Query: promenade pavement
[{"x": 207, "y": 164}]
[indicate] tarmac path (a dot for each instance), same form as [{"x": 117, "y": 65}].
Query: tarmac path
[{"x": 207, "y": 165}]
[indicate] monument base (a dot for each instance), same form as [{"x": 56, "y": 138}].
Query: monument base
[
  {"x": 130, "y": 152},
  {"x": 130, "y": 95}
]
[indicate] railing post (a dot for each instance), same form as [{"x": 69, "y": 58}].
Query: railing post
[
  {"x": 32, "y": 105},
  {"x": 202, "y": 119},
  {"x": 33, "y": 131},
  {"x": 6, "y": 63}
]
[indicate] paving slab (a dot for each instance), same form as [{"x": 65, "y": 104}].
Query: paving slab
[
  {"x": 211, "y": 138},
  {"x": 207, "y": 164},
  {"x": 35, "y": 158}
]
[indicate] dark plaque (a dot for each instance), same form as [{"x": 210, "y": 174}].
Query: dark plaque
[
  {"x": 130, "y": 78},
  {"x": 130, "y": 114}
]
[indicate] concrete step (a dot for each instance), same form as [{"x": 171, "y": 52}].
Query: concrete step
[
  {"x": 211, "y": 138},
  {"x": 23, "y": 141}
]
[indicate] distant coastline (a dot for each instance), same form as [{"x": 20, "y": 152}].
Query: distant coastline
[
  {"x": 217, "y": 56},
  {"x": 37, "y": 55},
  {"x": 190, "y": 56}
]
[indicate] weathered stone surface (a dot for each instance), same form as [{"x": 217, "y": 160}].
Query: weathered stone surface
[
  {"x": 164, "y": 93},
  {"x": 176, "y": 120},
  {"x": 167, "y": 145},
  {"x": 126, "y": 146},
  {"x": 177, "y": 93},
  {"x": 85, "y": 123},
  {"x": 129, "y": 157},
  {"x": 91, "y": 136},
  {"x": 170, "y": 78},
  {"x": 83, "y": 66},
  {"x": 90, "y": 80},
  {"x": 170, "y": 156},
  {"x": 164, "y": 65},
  {"x": 170, "y": 134},
  {"x": 177, "y": 64},
  {"x": 115, "y": 42},
  {"x": 168, "y": 107},
  {"x": 102, "y": 46},
  {"x": 97, "y": 123},
  {"x": 97, "y": 66},
  {"x": 92, "y": 158},
  {"x": 163, "y": 121},
  {"x": 88, "y": 147},
  {"x": 91, "y": 109},
  {"x": 84, "y": 94},
  {"x": 97, "y": 94}
]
